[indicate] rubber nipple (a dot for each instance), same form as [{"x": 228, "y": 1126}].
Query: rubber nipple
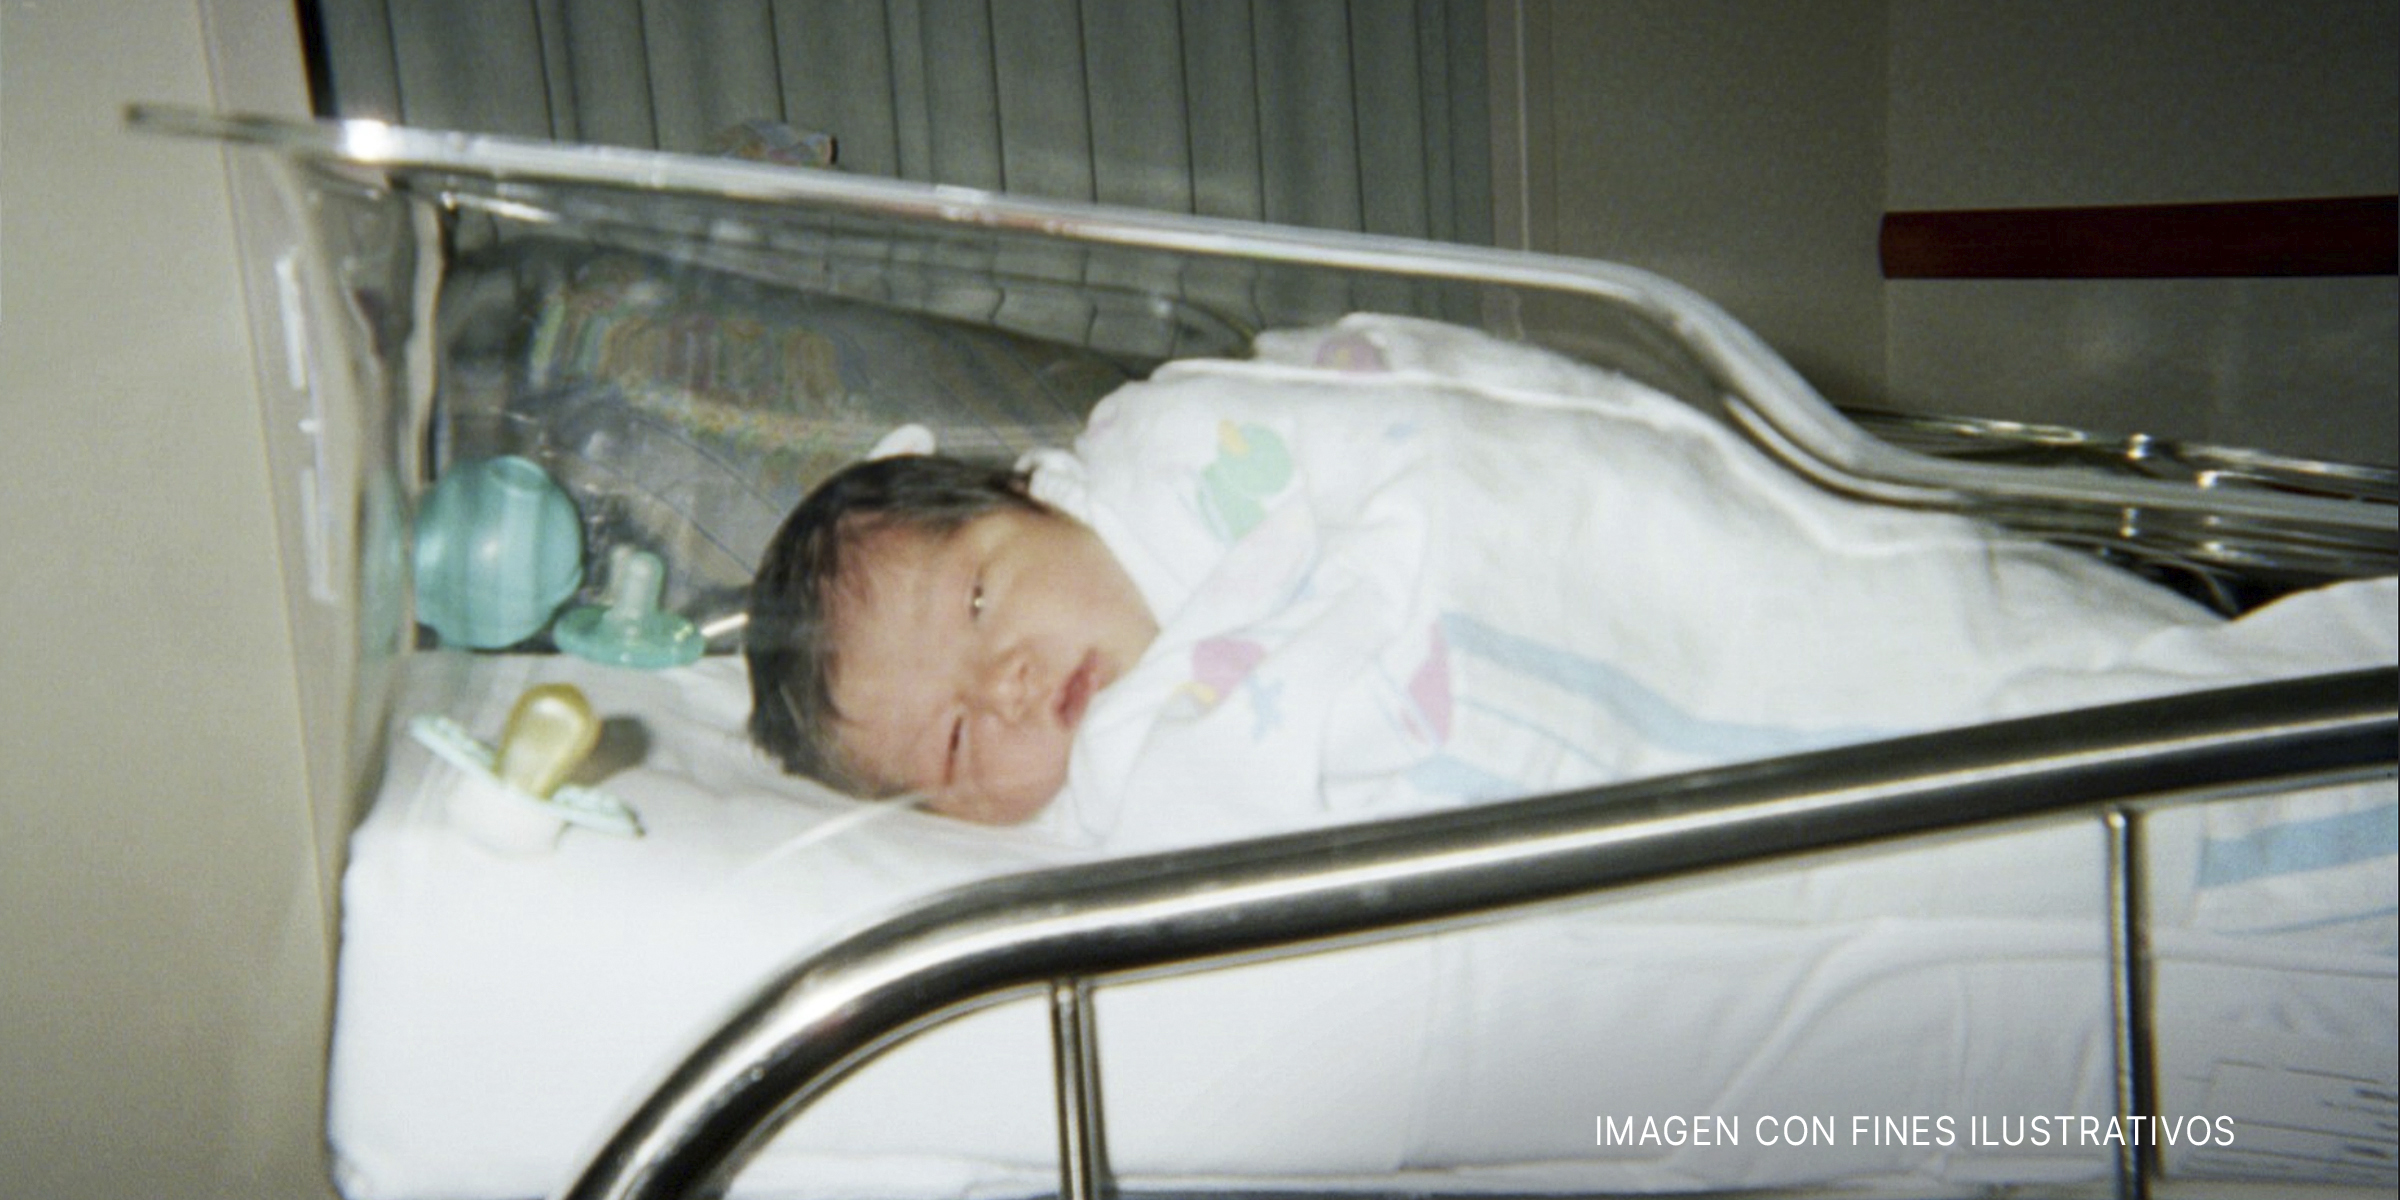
[
  {"x": 525, "y": 800},
  {"x": 631, "y": 631},
  {"x": 548, "y": 735}
]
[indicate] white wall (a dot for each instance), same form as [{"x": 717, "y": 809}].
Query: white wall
[
  {"x": 2067, "y": 102},
  {"x": 163, "y": 949},
  {"x": 1750, "y": 149},
  {"x": 1732, "y": 146}
]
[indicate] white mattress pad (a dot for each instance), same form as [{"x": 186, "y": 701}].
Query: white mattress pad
[{"x": 496, "y": 1010}]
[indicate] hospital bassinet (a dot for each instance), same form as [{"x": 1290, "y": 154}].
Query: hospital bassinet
[{"x": 683, "y": 343}]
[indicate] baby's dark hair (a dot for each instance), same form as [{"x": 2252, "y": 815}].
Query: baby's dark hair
[{"x": 789, "y": 638}]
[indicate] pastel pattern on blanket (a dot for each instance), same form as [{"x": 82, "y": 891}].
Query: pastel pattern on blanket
[
  {"x": 1541, "y": 674},
  {"x": 1400, "y": 565}
]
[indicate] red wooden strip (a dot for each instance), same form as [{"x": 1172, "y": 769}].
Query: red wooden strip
[{"x": 2352, "y": 235}]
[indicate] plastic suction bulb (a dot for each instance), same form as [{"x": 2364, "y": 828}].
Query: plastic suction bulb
[
  {"x": 549, "y": 734},
  {"x": 499, "y": 546},
  {"x": 631, "y": 631}
]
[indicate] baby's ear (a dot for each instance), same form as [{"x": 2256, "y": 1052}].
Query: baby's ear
[{"x": 906, "y": 440}]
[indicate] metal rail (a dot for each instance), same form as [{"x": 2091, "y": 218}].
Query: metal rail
[
  {"x": 2129, "y": 995},
  {"x": 976, "y": 946}
]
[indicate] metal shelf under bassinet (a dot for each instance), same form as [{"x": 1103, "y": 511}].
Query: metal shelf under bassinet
[{"x": 1060, "y": 931}]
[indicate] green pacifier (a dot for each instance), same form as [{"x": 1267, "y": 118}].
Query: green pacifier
[{"x": 631, "y": 631}]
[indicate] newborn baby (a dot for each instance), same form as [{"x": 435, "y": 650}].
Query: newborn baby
[
  {"x": 923, "y": 626},
  {"x": 1388, "y": 566}
]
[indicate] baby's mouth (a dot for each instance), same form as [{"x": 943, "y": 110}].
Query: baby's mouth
[{"x": 1076, "y": 694}]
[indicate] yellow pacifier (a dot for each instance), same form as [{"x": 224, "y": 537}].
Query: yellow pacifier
[{"x": 528, "y": 802}]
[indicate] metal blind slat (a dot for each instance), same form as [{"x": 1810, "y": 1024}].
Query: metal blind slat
[
  {"x": 1390, "y": 123},
  {"x": 557, "y": 69},
  {"x": 490, "y": 81},
  {"x": 722, "y": 57},
  {"x": 1432, "y": 32},
  {"x": 1346, "y": 114},
  {"x": 912, "y": 122},
  {"x": 1467, "y": 109},
  {"x": 1045, "y": 140},
  {"x": 961, "y": 101},
  {"x": 1220, "y": 86},
  {"x": 1308, "y": 126},
  {"x": 364, "y": 80},
  {"x": 607, "y": 71},
  {"x": 1134, "y": 63},
  {"x": 837, "y": 78}
]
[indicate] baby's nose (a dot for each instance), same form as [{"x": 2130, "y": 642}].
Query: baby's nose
[{"x": 1007, "y": 685}]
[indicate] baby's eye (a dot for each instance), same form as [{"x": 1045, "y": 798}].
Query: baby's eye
[
  {"x": 958, "y": 735},
  {"x": 975, "y": 602}
]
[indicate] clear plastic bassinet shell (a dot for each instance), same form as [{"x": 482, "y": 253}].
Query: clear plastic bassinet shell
[{"x": 385, "y": 329}]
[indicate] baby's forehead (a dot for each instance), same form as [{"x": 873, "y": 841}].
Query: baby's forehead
[
  {"x": 874, "y": 547},
  {"x": 884, "y": 589},
  {"x": 881, "y": 628}
]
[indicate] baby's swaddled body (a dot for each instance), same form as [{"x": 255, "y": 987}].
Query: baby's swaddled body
[{"x": 1399, "y": 565}]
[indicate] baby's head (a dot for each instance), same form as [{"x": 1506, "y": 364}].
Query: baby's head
[{"x": 923, "y": 626}]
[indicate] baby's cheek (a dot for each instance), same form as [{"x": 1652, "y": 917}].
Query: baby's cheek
[{"x": 1026, "y": 769}]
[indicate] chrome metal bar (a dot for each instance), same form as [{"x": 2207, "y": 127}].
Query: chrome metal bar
[
  {"x": 1008, "y": 937},
  {"x": 2129, "y": 998},
  {"x": 1075, "y": 1062}
]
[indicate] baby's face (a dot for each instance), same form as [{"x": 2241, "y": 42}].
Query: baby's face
[{"x": 965, "y": 662}]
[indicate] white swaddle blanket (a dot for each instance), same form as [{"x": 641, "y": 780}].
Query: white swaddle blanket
[{"x": 1400, "y": 565}]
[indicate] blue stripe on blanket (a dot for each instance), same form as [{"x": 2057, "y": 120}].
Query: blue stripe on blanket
[
  {"x": 1653, "y": 716},
  {"x": 1447, "y": 775},
  {"x": 2308, "y": 845}
]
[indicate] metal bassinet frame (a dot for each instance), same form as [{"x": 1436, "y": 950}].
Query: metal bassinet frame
[{"x": 1062, "y": 932}]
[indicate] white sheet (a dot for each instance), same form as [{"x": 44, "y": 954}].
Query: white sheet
[
  {"x": 2253, "y": 896},
  {"x": 496, "y": 1011}
]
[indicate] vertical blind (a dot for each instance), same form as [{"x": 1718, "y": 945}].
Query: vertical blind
[{"x": 1368, "y": 115}]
